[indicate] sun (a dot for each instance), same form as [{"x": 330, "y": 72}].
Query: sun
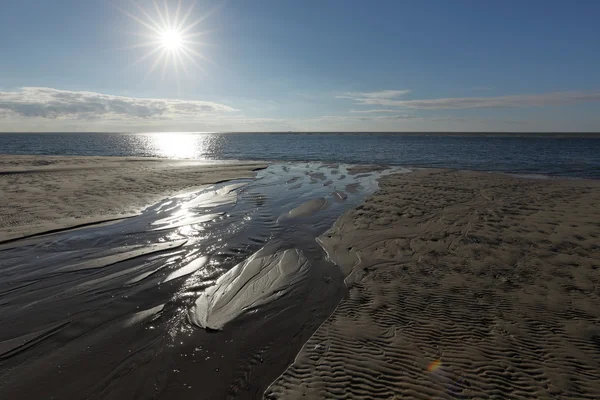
[
  {"x": 171, "y": 40},
  {"x": 169, "y": 36}
]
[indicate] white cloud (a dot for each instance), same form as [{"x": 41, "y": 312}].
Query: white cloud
[
  {"x": 389, "y": 98},
  {"x": 382, "y": 94},
  {"x": 373, "y": 111},
  {"x": 376, "y": 119},
  {"x": 39, "y": 102}
]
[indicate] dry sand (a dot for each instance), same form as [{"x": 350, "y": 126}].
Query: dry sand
[
  {"x": 461, "y": 285},
  {"x": 42, "y": 193}
]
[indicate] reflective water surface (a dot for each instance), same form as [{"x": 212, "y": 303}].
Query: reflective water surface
[
  {"x": 209, "y": 293},
  {"x": 514, "y": 153}
]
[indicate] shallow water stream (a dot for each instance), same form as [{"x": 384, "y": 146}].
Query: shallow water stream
[{"x": 118, "y": 310}]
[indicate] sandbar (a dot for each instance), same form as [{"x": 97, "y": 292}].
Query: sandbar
[
  {"x": 43, "y": 193},
  {"x": 461, "y": 285}
]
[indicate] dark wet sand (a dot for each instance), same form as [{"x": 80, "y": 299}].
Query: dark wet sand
[
  {"x": 42, "y": 193},
  {"x": 106, "y": 311}
]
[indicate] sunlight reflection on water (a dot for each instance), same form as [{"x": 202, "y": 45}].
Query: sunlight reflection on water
[
  {"x": 565, "y": 157},
  {"x": 183, "y": 144}
]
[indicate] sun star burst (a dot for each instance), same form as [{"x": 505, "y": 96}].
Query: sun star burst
[{"x": 170, "y": 39}]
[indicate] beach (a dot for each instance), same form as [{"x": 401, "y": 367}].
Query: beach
[
  {"x": 43, "y": 193},
  {"x": 461, "y": 285},
  {"x": 441, "y": 284}
]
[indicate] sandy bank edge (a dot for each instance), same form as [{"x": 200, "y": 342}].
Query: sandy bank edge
[{"x": 43, "y": 194}]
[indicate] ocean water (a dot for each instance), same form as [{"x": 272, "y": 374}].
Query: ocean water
[{"x": 551, "y": 156}]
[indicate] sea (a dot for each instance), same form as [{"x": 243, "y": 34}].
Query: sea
[{"x": 523, "y": 154}]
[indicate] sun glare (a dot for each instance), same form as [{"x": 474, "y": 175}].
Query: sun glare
[
  {"x": 171, "y": 40},
  {"x": 176, "y": 145},
  {"x": 169, "y": 37}
]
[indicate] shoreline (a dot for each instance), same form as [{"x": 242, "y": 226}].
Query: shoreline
[
  {"x": 90, "y": 190},
  {"x": 158, "y": 172}
]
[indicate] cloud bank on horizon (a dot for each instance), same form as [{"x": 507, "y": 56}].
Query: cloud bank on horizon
[
  {"x": 390, "y": 98},
  {"x": 41, "y": 102},
  {"x": 55, "y": 109}
]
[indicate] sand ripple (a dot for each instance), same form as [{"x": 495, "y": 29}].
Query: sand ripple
[{"x": 461, "y": 285}]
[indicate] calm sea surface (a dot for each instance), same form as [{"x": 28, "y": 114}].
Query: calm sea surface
[{"x": 567, "y": 157}]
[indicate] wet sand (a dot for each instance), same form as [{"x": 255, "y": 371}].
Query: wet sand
[
  {"x": 207, "y": 294},
  {"x": 42, "y": 193},
  {"x": 461, "y": 285},
  {"x": 444, "y": 284}
]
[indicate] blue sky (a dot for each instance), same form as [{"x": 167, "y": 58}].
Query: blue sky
[{"x": 278, "y": 65}]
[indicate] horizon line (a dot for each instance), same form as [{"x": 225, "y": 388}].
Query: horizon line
[{"x": 471, "y": 133}]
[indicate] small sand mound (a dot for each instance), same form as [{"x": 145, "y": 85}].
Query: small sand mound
[
  {"x": 352, "y": 187},
  {"x": 263, "y": 277},
  {"x": 363, "y": 169},
  {"x": 317, "y": 175},
  {"x": 218, "y": 197},
  {"x": 306, "y": 209}
]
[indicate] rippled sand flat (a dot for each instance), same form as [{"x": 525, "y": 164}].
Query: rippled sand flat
[{"x": 461, "y": 285}]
